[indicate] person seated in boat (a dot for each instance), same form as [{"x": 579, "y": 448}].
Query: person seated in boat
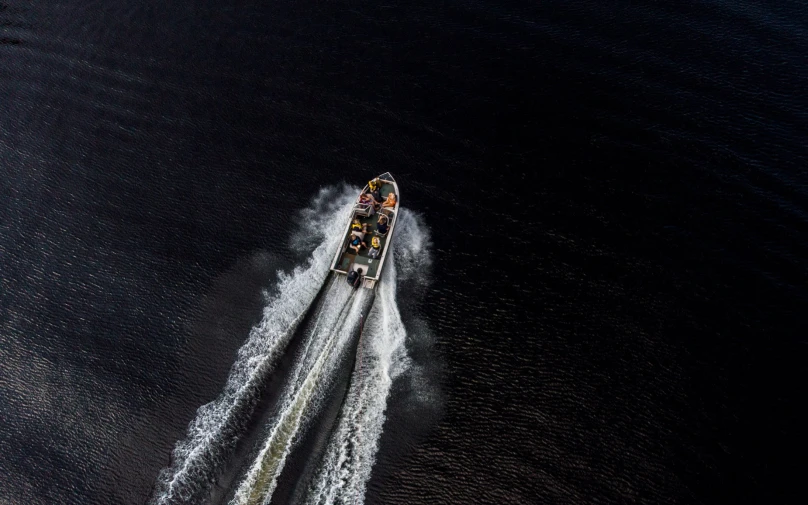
[
  {"x": 357, "y": 241},
  {"x": 391, "y": 201},
  {"x": 375, "y": 191},
  {"x": 375, "y": 248},
  {"x": 355, "y": 277},
  {"x": 359, "y": 229},
  {"x": 382, "y": 225},
  {"x": 358, "y": 226},
  {"x": 368, "y": 200},
  {"x": 377, "y": 195}
]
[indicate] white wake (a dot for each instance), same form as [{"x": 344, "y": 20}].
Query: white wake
[
  {"x": 381, "y": 357},
  {"x": 336, "y": 323},
  {"x": 215, "y": 430}
]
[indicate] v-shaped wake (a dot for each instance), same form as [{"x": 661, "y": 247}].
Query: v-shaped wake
[{"x": 328, "y": 328}]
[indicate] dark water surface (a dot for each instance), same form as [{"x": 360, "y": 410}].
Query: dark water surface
[{"x": 617, "y": 195}]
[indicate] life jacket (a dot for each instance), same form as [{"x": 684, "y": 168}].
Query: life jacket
[
  {"x": 356, "y": 226},
  {"x": 375, "y": 242},
  {"x": 373, "y": 185},
  {"x": 356, "y": 240}
]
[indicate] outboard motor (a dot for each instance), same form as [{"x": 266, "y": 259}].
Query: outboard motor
[{"x": 355, "y": 278}]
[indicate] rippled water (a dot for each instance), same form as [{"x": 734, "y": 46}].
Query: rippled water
[{"x": 616, "y": 197}]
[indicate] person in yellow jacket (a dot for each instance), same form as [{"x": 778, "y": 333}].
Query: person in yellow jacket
[
  {"x": 357, "y": 226},
  {"x": 375, "y": 191},
  {"x": 375, "y": 248}
]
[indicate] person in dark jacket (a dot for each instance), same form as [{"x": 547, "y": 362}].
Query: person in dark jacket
[{"x": 382, "y": 225}]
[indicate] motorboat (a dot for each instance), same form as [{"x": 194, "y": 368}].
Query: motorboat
[{"x": 350, "y": 259}]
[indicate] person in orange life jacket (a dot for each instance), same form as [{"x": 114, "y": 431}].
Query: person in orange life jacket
[{"x": 391, "y": 200}]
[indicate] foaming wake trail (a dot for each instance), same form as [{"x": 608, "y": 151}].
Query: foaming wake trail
[
  {"x": 212, "y": 435},
  {"x": 334, "y": 332},
  {"x": 346, "y": 466}
]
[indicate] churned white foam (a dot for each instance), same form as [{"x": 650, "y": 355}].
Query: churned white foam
[
  {"x": 346, "y": 467},
  {"x": 213, "y": 433},
  {"x": 337, "y": 323},
  {"x": 413, "y": 252}
]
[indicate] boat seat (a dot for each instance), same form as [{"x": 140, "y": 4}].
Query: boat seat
[{"x": 362, "y": 209}]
